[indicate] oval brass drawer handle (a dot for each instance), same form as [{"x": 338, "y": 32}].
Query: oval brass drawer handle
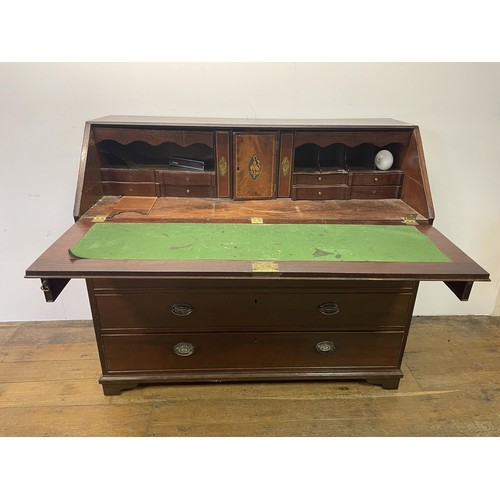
[
  {"x": 324, "y": 347},
  {"x": 182, "y": 309},
  {"x": 329, "y": 308},
  {"x": 184, "y": 349}
]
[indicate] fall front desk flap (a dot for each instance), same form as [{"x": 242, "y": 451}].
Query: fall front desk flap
[{"x": 269, "y": 242}]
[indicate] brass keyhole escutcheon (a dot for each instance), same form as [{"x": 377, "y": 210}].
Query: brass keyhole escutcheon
[
  {"x": 329, "y": 308},
  {"x": 184, "y": 349},
  {"x": 181, "y": 309},
  {"x": 324, "y": 347}
]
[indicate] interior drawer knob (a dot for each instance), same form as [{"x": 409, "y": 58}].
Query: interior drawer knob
[
  {"x": 324, "y": 347},
  {"x": 329, "y": 308},
  {"x": 182, "y": 309},
  {"x": 184, "y": 349}
]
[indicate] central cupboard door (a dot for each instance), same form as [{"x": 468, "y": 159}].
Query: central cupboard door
[{"x": 255, "y": 161}]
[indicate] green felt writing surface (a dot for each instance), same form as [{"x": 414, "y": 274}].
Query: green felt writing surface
[{"x": 280, "y": 242}]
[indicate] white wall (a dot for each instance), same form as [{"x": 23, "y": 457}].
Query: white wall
[{"x": 44, "y": 106}]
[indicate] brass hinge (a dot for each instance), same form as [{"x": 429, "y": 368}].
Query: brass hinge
[
  {"x": 256, "y": 220},
  {"x": 99, "y": 218},
  {"x": 410, "y": 220}
]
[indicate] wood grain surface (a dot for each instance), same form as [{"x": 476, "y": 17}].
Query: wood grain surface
[{"x": 48, "y": 387}]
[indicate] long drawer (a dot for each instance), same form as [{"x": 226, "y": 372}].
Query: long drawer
[
  {"x": 138, "y": 353},
  {"x": 239, "y": 308}
]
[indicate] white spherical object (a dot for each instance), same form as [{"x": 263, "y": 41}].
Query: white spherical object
[{"x": 384, "y": 160}]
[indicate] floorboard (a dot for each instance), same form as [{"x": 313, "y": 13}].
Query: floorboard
[{"x": 49, "y": 387}]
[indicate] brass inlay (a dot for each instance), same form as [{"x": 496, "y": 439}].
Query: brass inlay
[
  {"x": 256, "y": 220},
  {"x": 255, "y": 167},
  {"x": 264, "y": 266},
  {"x": 285, "y": 166},
  {"x": 222, "y": 166}
]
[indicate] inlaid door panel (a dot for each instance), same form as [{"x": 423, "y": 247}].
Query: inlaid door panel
[{"x": 255, "y": 165}]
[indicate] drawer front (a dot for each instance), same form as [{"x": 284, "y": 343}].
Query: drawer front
[
  {"x": 128, "y": 175},
  {"x": 374, "y": 192},
  {"x": 321, "y": 179},
  {"x": 129, "y": 188},
  {"x": 216, "y": 310},
  {"x": 196, "y": 191},
  {"x": 320, "y": 193},
  {"x": 150, "y": 285},
  {"x": 376, "y": 178},
  {"x": 187, "y": 178},
  {"x": 163, "y": 352}
]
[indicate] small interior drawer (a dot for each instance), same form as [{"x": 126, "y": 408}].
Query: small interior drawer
[
  {"x": 320, "y": 192},
  {"x": 187, "y": 178},
  {"x": 196, "y": 191},
  {"x": 374, "y": 192},
  {"x": 376, "y": 178},
  {"x": 128, "y": 175},
  {"x": 130, "y": 188},
  {"x": 321, "y": 178}
]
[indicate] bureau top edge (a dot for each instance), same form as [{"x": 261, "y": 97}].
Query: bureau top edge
[{"x": 347, "y": 123}]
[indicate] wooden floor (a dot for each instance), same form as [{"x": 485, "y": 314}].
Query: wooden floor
[{"x": 49, "y": 373}]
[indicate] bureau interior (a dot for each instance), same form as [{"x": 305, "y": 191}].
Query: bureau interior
[
  {"x": 140, "y": 155},
  {"x": 326, "y": 165},
  {"x": 313, "y": 158}
]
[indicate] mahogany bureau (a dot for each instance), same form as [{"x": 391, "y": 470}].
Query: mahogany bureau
[{"x": 255, "y": 309}]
